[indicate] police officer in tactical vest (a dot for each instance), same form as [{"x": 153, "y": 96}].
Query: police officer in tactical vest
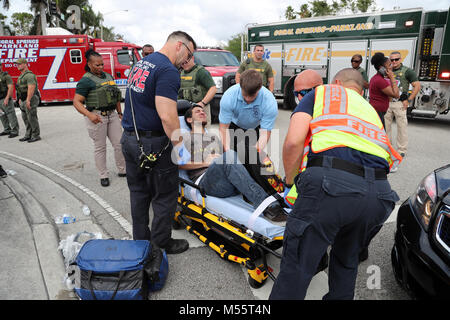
[
  {"x": 27, "y": 94},
  {"x": 103, "y": 113},
  {"x": 197, "y": 86},
  {"x": 257, "y": 63},
  {"x": 8, "y": 114}
]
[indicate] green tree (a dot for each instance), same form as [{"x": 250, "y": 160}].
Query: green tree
[
  {"x": 234, "y": 45},
  {"x": 22, "y": 23},
  {"x": 318, "y": 8},
  {"x": 4, "y": 28},
  {"x": 289, "y": 14}
]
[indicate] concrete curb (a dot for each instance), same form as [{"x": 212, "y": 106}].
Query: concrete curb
[{"x": 45, "y": 238}]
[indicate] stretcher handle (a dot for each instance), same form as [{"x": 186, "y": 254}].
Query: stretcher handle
[{"x": 193, "y": 185}]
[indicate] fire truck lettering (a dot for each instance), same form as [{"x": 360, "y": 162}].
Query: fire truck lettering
[
  {"x": 291, "y": 54},
  {"x": 307, "y": 54}
]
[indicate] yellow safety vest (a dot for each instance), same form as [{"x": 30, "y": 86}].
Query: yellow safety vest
[{"x": 343, "y": 118}]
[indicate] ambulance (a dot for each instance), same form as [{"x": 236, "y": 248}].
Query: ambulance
[
  {"x": 58, "y": 61},
  {"x": 326, "y": 44}
]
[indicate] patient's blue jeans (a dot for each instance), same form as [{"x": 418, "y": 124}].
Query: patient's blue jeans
[{"x": 227, "y": 177}]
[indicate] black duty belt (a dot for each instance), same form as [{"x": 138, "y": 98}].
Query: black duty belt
[
  {"x": 143, "y": 133},
  {"x": 90, "y": 109},
  {"x": 380, "y": 174}
]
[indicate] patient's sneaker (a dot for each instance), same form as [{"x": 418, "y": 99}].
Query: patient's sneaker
[{"x": 275, "y": 213}]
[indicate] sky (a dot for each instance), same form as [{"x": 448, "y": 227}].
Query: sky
[{"x": 209, "y": 22}]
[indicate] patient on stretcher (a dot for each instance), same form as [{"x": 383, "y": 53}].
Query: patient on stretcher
[{"x": 220, "y": 174}]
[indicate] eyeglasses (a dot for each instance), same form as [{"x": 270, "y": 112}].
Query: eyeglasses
[
  {"x": 302, "y": 92},
  {"x": 190, "y": 55},
  {"x": 396, "y": 59},
  {"x": 356, "y": 61}
]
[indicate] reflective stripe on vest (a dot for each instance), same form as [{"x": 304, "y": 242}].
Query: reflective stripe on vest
[{"x": 335, "y": 124}]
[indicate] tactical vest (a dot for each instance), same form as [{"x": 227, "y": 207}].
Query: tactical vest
[
  {"x": 22, "y": 86},
  {"x": 3, "y": 85},
  {"x": 261, "y": 67},
  {"x": 105, "y": 95},
  {"x": 400, "y": 76},
  {"x": 189, "y": 90},
  {"x": 343, "y": 118}
]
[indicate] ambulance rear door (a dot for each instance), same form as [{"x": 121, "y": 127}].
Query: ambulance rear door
[
  {"x": 305, "y": 55},
  {"x": 406, "y": 47},
  {"x": 342, "y": 53}
]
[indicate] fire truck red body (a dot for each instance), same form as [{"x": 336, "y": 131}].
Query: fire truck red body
[{"x": 58, "y": 61}]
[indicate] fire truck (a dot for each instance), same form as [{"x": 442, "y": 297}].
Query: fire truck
[
  {"x": 58, "y": 61},
  {"x": 326, "y": 44}
]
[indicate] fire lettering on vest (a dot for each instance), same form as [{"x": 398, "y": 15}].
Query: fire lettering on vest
[{"x": 371, "y": 133}]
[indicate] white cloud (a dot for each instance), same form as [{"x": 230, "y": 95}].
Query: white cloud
[{"x": 209, "y": 22}]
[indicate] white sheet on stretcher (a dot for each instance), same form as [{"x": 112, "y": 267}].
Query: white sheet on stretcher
[{"x": 234, "y": 208}]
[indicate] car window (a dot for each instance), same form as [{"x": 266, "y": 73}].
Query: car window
[{"x": 215, "y": 58}]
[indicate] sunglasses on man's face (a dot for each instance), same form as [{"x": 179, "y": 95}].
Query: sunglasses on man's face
[
  {"x": 302, "y": 92},
  {"x": 190, "y": 54},
  {"x": 356, "y": 61},
  {"x": 396, "y": 59}
]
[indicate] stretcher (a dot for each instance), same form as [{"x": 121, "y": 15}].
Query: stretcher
[
  {"x": 227, "y": 227},
  {"x": 231, "y": 227}
]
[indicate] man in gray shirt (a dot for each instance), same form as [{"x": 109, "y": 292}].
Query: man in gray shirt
[{"x": 221, "y": 174}]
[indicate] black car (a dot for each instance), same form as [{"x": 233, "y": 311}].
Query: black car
[{"x": 421, "y": 253}]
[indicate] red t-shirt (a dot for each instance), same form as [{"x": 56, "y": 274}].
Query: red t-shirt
[{"x": 377, "y": 98}]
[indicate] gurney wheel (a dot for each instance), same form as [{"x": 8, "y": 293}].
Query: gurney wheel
[{"x": 254, "y": 283}]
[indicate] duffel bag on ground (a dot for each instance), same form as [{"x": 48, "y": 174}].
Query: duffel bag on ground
[{"x": 117, "y": 269}]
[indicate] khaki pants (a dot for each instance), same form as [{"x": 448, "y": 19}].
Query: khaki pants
[
  {"x": 396, "y": 111},
  {"x": 9, "y": 119},
  {"x": 111, "y": 128}
]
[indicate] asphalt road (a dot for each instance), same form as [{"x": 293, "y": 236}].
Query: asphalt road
[{"x": 200, "y": 273}]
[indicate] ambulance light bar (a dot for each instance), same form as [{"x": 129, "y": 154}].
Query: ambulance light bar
[{"x": 76, "y": 40}]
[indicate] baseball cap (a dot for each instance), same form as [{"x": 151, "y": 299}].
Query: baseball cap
[{"x": 21, "y": 60}]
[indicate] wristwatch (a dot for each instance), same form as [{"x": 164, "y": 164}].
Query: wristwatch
[{"x": 285, "y": 183}]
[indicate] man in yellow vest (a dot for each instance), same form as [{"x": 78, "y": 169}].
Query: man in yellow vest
[{"x": 344, "y": 195}]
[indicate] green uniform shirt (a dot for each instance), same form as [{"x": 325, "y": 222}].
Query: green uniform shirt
[
  {"x": 26, "y": 79},
  {"x": 363, "y": 73},
  {"x": 405, "y": 76},
  {"x": 5, "y": 81},
  {"x": 263, "y": 67}
]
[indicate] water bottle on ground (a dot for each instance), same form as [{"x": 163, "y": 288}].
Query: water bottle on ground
[
  {"x": 64, "y": 219},
  {"x": 86, "y": 210}
]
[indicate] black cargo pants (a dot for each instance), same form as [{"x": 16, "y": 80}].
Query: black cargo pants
[
  {"x": 159, "y": 188},
  {"x": 336, "y": 208}
]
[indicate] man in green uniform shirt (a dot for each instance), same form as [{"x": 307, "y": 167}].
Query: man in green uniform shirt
[
  {"x": 197, "y": 86},
  {"x": 397, "y": 107},
  {"x": 356, "y": 64},
  {"x": 28, "y": 101},
  {"x": 257, "y": 63},
  {"x": 8, "y": 114}
]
